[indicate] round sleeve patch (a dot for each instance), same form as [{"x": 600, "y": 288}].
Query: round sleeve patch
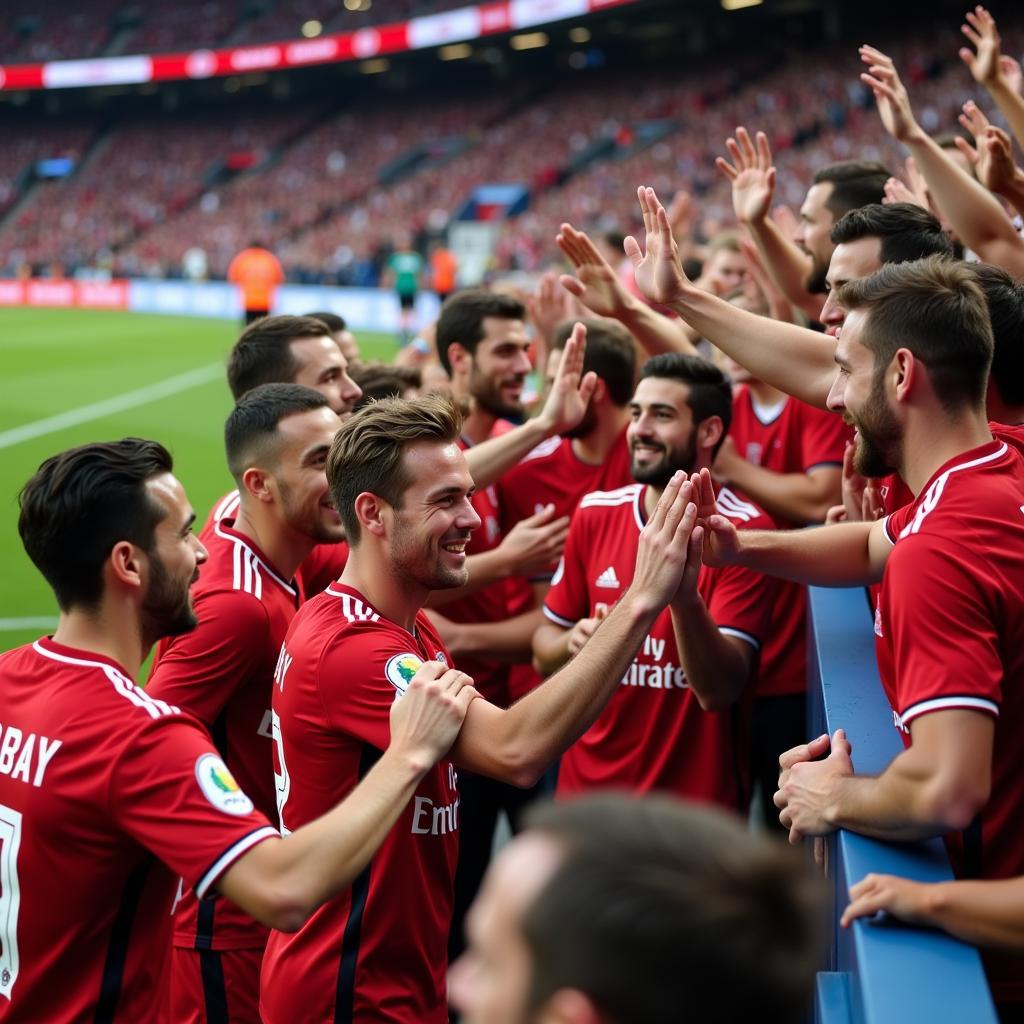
[
  {"x": 219, "y": 786},
  {"x": 400, "y": 669}
]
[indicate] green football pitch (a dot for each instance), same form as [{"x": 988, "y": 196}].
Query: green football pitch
[{"x": 70, "y": 377}]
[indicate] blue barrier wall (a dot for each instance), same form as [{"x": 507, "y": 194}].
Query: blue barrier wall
[{"x": 878, "y": 971}]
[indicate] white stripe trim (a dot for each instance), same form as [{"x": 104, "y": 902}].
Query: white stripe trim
[
  {"x": 246, "y": 566},
  {"x": 740, "y": 635},
  {"x": 227, "y": 507},
  {"x": 229, "y": 856},
  {"x": 557, "y": 619},
  {"x": 617, "y": 497},
  {"x": 732, "y": 505},
  {"x": 947, "y": 704},
  {"x": 934, "y": 492},
  {"x": 121, "y": 683}
]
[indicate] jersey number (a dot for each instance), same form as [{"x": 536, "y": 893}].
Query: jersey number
[
  {"x": 282, "y": 780},
  {"x": 10, "y": 897}
]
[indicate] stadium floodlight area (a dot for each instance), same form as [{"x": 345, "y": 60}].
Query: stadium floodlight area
[{"x": 878, "y": 971}]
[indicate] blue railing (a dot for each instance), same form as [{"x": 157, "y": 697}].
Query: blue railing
[{"x": 878, "y": 971}]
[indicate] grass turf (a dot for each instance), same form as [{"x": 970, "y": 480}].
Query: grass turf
[{"x": 55, "y": 361}]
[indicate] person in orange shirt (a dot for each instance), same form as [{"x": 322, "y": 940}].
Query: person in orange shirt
[
  {"x": 257, "y": 272},
  {"x": 442, "y": 270}
]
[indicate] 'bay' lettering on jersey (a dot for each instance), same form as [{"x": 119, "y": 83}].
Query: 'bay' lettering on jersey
[
  {"x": 284, "y": 662},
  {"x": 16, "y": 752},
  {"x": 429, "y": 819}
]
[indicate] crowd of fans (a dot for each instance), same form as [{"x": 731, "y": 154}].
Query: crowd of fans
[{"x": 418, "y": 612}]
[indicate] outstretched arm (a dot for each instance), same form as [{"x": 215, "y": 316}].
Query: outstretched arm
[
  {"x": 983, "y": 913},
  {"x": 564, "y": 408},
  {"x": 753, "y": 185},
  {"x": 598, "y": 287},
  {"x": 989, "y": 68},
  {"x": 798, "y": 361},
  {"x": 991, "y": 156},
  {"x": 972, "y": 211}
]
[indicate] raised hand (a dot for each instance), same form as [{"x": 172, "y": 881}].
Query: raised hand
[
  {"x": 1013, "y": 76},
  {"x": 427, "y": 717},
  {"x": 681, "y": 213},
  {"x": 549, "y": 306},
  {"x": 596, "y": 284},
  {"x": 571, "y": 389},
  {"x": 535, "y": 542},
  {"x": 981, "y": 31},
  {"x": 896, "y": 192},
  {"x": 890, "y": 94},
  {"x": 992, "y": 152},
  {"x": 657, "y": 269},
  {"x": 583, "y": 631},
  {"x": 721, "y": 544},
  {"x": 664, "y": 547},
  {"x": 752, "y": 175}
]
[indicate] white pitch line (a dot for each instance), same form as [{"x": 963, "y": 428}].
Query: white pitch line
[
  {"x": 109, "y": 406},
  {"x": 37, "y": 622}
]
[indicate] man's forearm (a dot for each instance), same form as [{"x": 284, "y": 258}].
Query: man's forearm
[
  {"x": 786, "y": 265},
  {"x": 550, "y": 648},
  {"x": 655, "y": 333},
  {"x": 793, "y": 359},
  {"x": 987, "y": 913},
  {"x": 715, "y": 669},
  {"x": 489, "y": 459},
  {"x": 1012, "y": 106},
  {"x": 828, "y": 556}
]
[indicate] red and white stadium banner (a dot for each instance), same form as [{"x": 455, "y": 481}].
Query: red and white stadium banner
[
  {"x": 460, "y": 25},
  {"x": 65, "y": 294}
]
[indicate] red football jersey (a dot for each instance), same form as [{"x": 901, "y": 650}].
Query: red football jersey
[
  {"x": 790, "y": 437},
  {"x": 377, "y": 952},
  {"x": 653, "y": 734},
  {"x": 223, "y": 673},
  {"x": 551, "y": 474},
  {"x": 107, "y": 796},
  {"x": 322, "y": 566},
  {"x": 950, "y": 634}
]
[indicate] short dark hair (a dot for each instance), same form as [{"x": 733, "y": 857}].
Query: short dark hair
[
  {"x": 610, "y": 353},
  {"x": 1005, "y": 298},
  {"x": 333, "y": 322},
  {"x": 854, "y": 183},
  {"x": 262, "y": 354},
  {"x": 462, "y": 319},
  {"x": 935, "y": 308},
  {"x": 367, "y": 451},
  {"x": 383, "y": 380},
  {"x": 82, "y": 502},
  {"x": 907, "y": 231},
  {"x": 719, "y": 923},
  {"x": 710, "y": 391},
  {"x": 252, "y": 424}
]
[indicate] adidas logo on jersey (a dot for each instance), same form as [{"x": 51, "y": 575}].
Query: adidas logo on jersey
[{"x": 608, "y": 578}]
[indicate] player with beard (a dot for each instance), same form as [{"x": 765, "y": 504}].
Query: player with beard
[
  {"x": 913, "y": 358},
  {"x": 677, "y": 722},
  {"x": 276, "y": 438},
  {"x": 108, "y": 794},
  {"x": 401, "y": 484},
  {"x": 798, "y": 266}
]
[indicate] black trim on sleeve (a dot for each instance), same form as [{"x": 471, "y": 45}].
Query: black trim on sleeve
[
  {"x": 344, "y": 1004},
  {"x": 205, "y": 914},
  {"x": 120, "y": 940}
]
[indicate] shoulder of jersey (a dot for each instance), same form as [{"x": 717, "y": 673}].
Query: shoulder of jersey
[
  {"x": 739, "y": 509},
  {"x": 352, "y": 609},
  {"x": 122, "y": 688},
  {"x": 604, "y": 499},
  {"x": 247, "y": 573}
]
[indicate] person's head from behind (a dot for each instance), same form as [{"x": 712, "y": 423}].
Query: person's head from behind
[
  {"x": 726, "y": 268},
  {"x": 870, "y": 237},
  {"x": 1005, "y": 299},
  {"x": 621, "y": 910},
  {"x": 343, "y": 337},
  {"x": 109, "y": 521},
  {"x": 277, "y": 438},
  {"x": 482, "y": 344},
  {"x": 292, "y": 350},
  {"x": 916, "y": 341},
  {"x": 385, "y": 380},
  {"x": 679, "y": 415},
  {"x": 611, "y": 354},
  {"x": 402, "y": 487},
  {"x": 836, "y": 189}
]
